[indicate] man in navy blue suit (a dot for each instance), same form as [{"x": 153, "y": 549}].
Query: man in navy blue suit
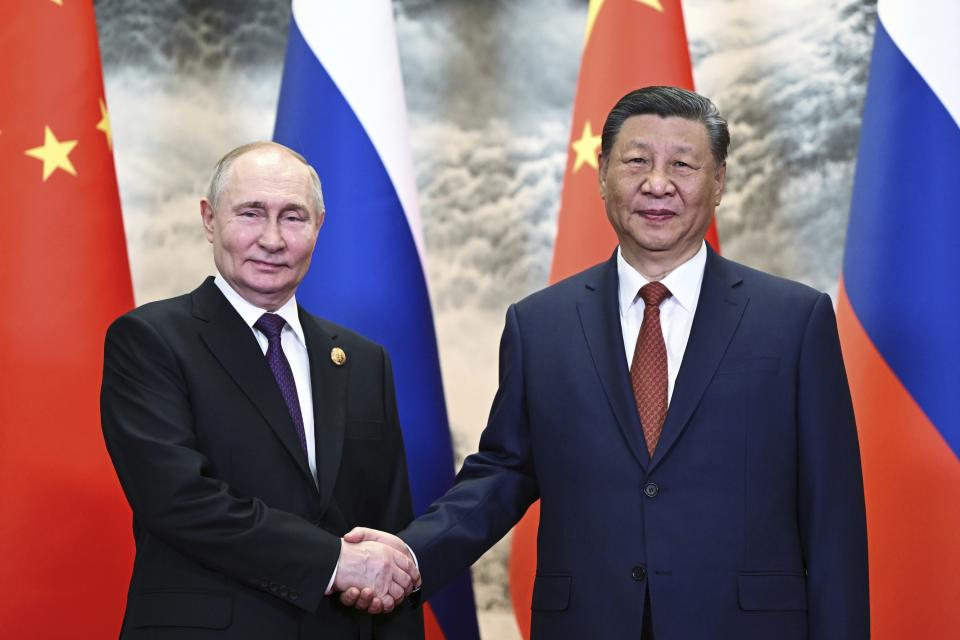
[{"x": 685, "y": 421}]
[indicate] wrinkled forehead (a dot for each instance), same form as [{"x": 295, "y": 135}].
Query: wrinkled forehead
[{"x": 672, "y": 130}]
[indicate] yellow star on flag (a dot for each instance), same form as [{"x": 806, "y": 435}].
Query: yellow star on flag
[
  {"x": 54, "y": 154},
  {"x": 586, "y": 148},
  {"x": 104, "y": 124},
  {"x": 59, "y": 3}
]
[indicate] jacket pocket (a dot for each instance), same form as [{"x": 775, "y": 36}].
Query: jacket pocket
[
  {"x": 772, "y": 591},
  {"x": 551, "y": 592},
  {"x": 176, "y": 608}
]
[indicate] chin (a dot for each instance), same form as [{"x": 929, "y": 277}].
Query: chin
[
  {"x": 656, "y": 244},
  {"x": 264, "y": 286}
]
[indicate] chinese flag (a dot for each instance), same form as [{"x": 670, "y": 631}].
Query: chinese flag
[
  {"x": 65, "y": 528},
  {"x": 629, "y": 44}
]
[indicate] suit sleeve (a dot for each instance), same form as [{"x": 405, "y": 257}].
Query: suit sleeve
[
  {"x": 148, "y": 428},
  {"x": 831, "y": 506},
  {"x": 493, "y": 489}
]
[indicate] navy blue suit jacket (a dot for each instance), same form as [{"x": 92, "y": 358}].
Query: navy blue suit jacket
[{"x": 748, "y": 522}]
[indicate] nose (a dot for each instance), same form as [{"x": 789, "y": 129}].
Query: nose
[
  {"x": 270, "y": 237},
  {"x": 657, "y": 184}
]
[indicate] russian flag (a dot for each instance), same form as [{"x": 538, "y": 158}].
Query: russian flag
[
  {"x": 899, "y": 315},
  {"x": 342, "y": 106}
]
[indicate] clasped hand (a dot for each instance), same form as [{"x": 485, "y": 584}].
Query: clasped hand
[{"x": 375, "y": 572}]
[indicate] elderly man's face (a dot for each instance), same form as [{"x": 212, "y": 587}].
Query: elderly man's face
[
  {"x": 661, "y": 186},
  {"x": 264, "y": 227}
]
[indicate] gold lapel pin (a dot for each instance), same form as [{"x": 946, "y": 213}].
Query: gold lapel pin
[{"x": 338, "y": 356}]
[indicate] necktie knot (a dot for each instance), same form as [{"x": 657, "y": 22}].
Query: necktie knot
[
  {"x": 653, "y": 293},
  {"x": 270, "y": 324}
]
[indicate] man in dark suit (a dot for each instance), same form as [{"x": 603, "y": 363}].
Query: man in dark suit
[
  {"x": 685, "y": 421},
  {"x": 249, "y": 435}
]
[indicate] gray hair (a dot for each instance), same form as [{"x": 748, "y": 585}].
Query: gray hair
[
  {"x": 668, "y": 102},
  {"x": 222, "y": 169}
]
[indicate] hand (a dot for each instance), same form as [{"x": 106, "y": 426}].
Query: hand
[
  {"x": 365, "y": 599},
  {"x": 374, "y": 577}
]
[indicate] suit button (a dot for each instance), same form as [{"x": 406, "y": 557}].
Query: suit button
[
  {"x": 651, "y": 490},
  {"x": 284, "y": 592},
  {"x": 274, "y": 587},
  {"x": 638, "y": 573},
  {"x": 294, "y": 595}
]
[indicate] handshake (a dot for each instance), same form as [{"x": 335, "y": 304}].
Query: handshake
[{"x": 375, "y": 572}]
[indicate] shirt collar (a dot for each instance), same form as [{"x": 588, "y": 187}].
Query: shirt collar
[
  {"x": 683, "y": 282},
  {"x": 251, "y": 313}
]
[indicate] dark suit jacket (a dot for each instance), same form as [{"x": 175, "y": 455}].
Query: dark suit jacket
[
  {"x": 748, "y": 523},
  {"x": 233, "y": 538}
]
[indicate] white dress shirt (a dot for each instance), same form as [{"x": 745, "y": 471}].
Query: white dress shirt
[
  {"x": 294, "y": 348},
  {"x": 676, "y": 312}
]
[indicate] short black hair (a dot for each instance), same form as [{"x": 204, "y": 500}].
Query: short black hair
[{"x": 668, "y": 102}]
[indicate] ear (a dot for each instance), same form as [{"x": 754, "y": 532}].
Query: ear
[
  {"x": 720, "y": 179},
  {"x": 602, "y": 174},
  {"x": 206, "y": 216}
]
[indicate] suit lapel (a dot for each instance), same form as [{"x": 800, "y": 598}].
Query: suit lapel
[
  {"x": 600, "y": 320},
  {"x": 232, "y": 343},
  {"x": 721, "y": 305},
  {"x": 329, "y": 383}
]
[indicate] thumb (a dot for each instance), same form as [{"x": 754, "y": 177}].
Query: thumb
[{"x": 360, "y": 534}]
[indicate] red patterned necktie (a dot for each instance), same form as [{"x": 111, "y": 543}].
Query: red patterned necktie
[{"x": 648, "y": 372}]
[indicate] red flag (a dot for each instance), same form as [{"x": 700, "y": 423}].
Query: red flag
[
  {"x": 65, "y": 531},
  {"x": 629, "y": 44}
]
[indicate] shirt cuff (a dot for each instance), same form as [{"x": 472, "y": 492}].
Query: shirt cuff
[
  {"x": 416, "y": 563},
  {"x": 332, "y": 578}
]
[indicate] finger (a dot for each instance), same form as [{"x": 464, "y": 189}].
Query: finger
[
  {"x": 402, "y": 578},
  {"x": 365, "y": 600},
  {"x": 409, "y": 570},
  {"x": 388, "y": 603},
  {"x": 349, "y": 597},
  {"x": 397, "y": 592},
  {"x": 414, "y": 575},
  {"x": 376, "y": 606}
]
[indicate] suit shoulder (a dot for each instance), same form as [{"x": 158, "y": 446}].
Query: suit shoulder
[
  {"x": 775, "y": 289},
  {"x": 568, "y": 289},
  {"x": 158, "y": 312}
]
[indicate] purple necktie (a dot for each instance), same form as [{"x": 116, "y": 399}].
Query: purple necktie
[{"x": 271, "y": 325}]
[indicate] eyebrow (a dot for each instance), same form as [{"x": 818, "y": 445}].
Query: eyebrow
[
  {"x": 259, "y": 204},
  {"x": 640, "y": 144}
]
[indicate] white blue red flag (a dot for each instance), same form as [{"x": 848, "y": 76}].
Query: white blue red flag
[
  {"x": 899, "y": 315},
  {"x": 342, "y": 106}
]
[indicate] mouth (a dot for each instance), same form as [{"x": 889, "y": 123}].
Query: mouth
[
  {"x": 656, "y": 215},
  {"x": 267, "y": 266}
]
